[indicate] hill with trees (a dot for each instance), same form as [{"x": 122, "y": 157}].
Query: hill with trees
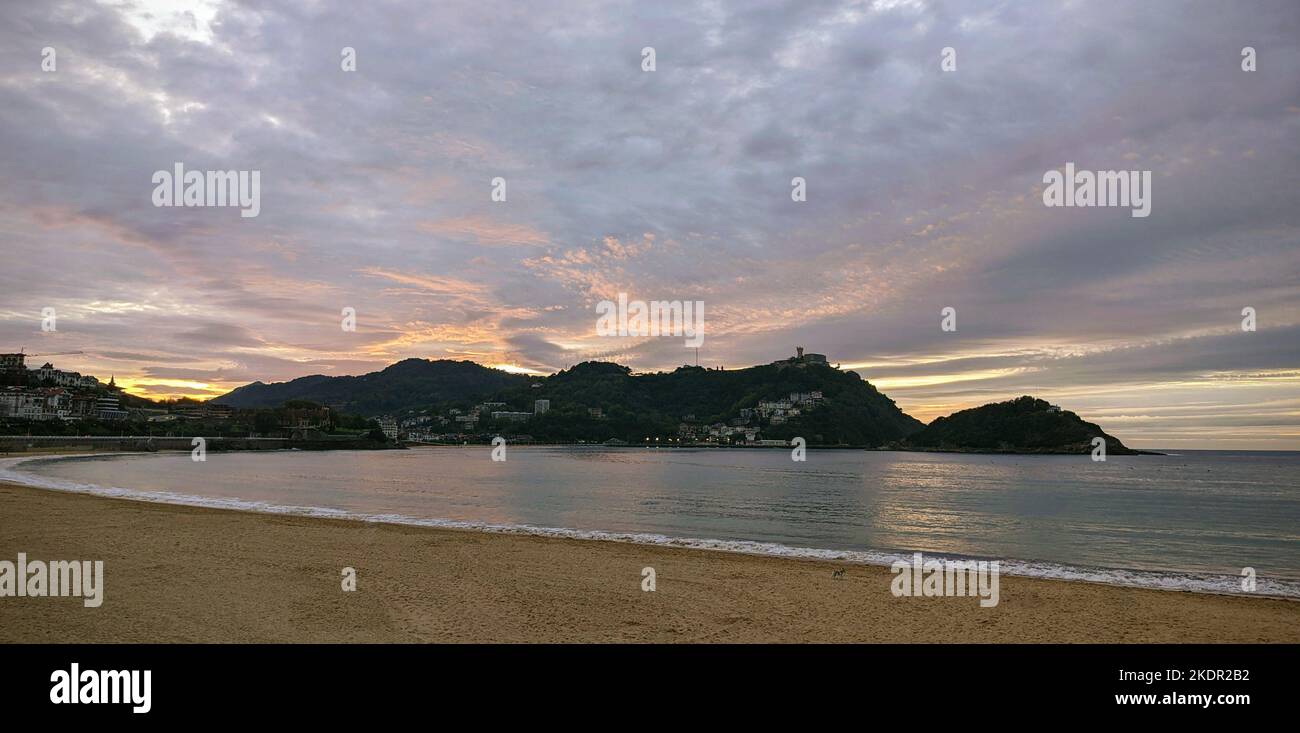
[
  {"x": 406, "y": 384},
  {"x": 601, "y": 401},
  {"x": 636, "y": 406},
  {"x": 597, "y": 401},
  {"x": 1022, "y": 425}
]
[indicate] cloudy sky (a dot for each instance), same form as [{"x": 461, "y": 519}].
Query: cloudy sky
[{"x": 924, "y": 190}]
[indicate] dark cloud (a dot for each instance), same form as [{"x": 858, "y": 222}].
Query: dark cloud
[{"x": 923, "y": 191}]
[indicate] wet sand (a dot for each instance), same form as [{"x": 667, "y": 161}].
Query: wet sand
[{"x": 186, "y": 574}]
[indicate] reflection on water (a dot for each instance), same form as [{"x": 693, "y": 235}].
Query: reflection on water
[{"x": 1213, "y": 512}]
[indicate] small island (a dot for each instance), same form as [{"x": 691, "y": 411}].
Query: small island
[{"x": 1023, "y": 425}]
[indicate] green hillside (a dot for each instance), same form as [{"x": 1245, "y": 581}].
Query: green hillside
[{"x": 1023, "y": 425}]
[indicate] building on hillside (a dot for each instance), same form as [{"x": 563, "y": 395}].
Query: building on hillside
[
  {"x": 805, "y": 398},
  {"x": 541, "y": 406},
  {"x": 50, "y": 376},
  {"x": 107, "y": 408},
  {"x": 801, "y": 360},
  {"x": 224, "y": 412},
  {"x": 21, "y": 402},
  {"x": 82, "y": 405},
  {"x": 57, "y": 401},
  {"x": 509, "y": 416},
  {"x": 770, "y": 408},
  {"x": 809, "y": 358},
  {"x": 207, "y": 410},
  {"x": 300, "y": 418},
  {"x": 13, "y": 362},
  {"x": 389, "y": 426}
]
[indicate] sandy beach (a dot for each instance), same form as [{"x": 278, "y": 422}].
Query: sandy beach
[{"x": 184, "y": 574}]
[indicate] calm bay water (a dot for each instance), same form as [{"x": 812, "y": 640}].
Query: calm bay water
[{"x": 1191, "y": 520}]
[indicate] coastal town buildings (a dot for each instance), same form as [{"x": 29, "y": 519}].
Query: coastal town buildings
[
  {"x": 47, "y": 374},
  {"x": 48, "y": 393},
  {"x": 18, "y": 402}
]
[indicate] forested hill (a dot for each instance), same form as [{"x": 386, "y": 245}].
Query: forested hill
[
  {"x": 1022, "y": 425},
  {"x": 850, "y": 410},
  {"x": 408, "y": 383}
]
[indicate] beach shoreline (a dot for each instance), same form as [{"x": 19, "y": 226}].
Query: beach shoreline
[
  {"x": 1111, "y": 576},
  {"x": 181, "y": 573}
]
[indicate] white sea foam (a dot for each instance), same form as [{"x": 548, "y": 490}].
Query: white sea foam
[{"x": 1162, "y": 580}]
